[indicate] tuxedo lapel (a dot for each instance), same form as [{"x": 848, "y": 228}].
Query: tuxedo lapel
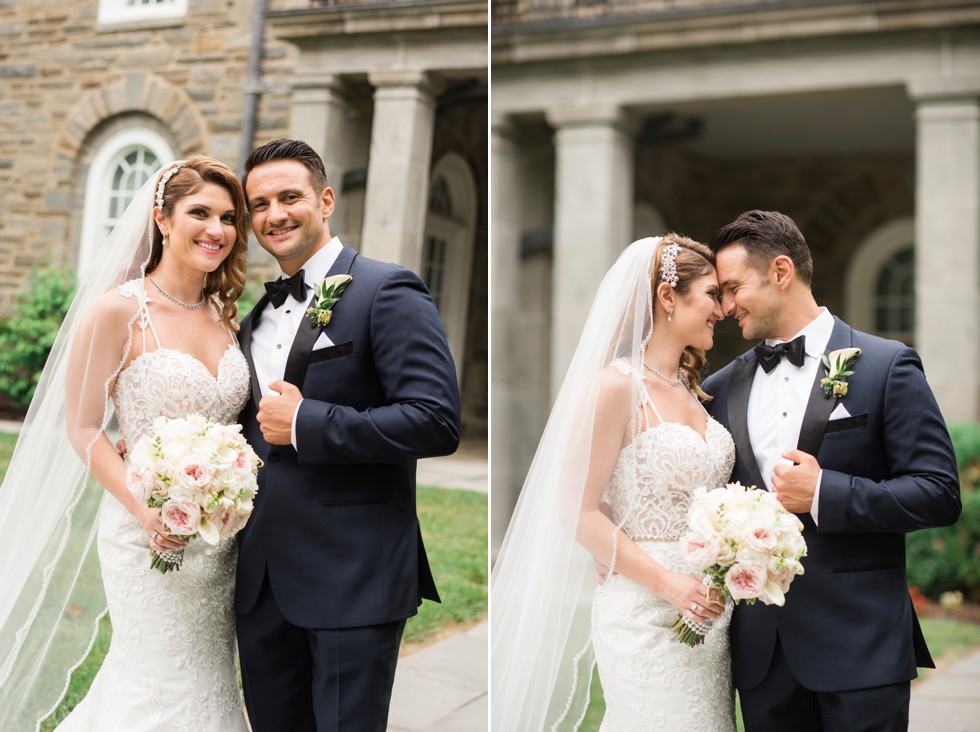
[
  {"x": 245, "y": 342},
  {"x": 819, "y": 406},
  {"x": 738, "y": 406},
  {"x": 306, "y": 336},
  {"x": 299, "y": 352}
]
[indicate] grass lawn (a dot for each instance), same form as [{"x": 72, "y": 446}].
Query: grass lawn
[
  {"x": 949, "y": 641},
  {"x": 454, "y": 529}
]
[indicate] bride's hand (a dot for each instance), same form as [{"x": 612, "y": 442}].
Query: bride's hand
[
  {"x": 693, "y": 598},
  {"x": 160, "y": 539}
]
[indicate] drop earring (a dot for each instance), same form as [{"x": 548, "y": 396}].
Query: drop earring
[
  {"x": 669, "y": 316},
  {"x": 164, "y": 242}
]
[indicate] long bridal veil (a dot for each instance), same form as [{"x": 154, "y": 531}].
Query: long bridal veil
[
  {"x": 52, "y": 597},
  {"x": 542, "y": 583}
]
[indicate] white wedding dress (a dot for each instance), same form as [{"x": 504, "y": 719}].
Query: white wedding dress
[
  {"x": 171, "y": 662},
  {"x": 651, "y": 681}
]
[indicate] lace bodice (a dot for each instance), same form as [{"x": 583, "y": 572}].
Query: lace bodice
[
  {"x": 656, "y": 474},
  {"x": 649, "y": 680},
  {"x": 174, "y": 384},
  {"x": 171, "y": 662}
]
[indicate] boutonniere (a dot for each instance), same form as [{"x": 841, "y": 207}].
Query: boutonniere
[
  {"x": 328, "y": 292},
  {"x": 838, "y": 366}
]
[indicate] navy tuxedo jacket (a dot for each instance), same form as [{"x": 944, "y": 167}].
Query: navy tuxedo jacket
[
  {"x": 888, "y": 469},
  {"x": 335, "y": 523}
]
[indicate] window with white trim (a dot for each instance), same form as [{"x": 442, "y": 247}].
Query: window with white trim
[
  {"x": 127, "y": 11},
  {"x": 447, "y": 254},
  {"x": 118, "y": 170},
  {"x": 879, "y": 286},
  {"x": 895, "y": 297}
]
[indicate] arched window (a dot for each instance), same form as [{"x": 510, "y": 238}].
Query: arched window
[
  {"x": 880, "y": 283},
  {"x": 447, "y": 253},
  {"x": 895, "y": 297},
  {"x": 120, "y": 167}
]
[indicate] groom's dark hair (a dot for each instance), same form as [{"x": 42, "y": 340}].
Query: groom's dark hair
[
  {"x": 765, "y": 236},
  {"x": 283, "y": 149}
]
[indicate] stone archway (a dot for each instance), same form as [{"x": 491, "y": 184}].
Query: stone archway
[{"x": 139, "y": 92}]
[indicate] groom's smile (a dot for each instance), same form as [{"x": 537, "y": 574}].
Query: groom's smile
[{"x": 288, "y": 215}]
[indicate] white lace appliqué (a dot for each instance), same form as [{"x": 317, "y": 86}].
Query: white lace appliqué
[
  {"x": 171, "y": 662},
  {"x": 650, "y": 680}
]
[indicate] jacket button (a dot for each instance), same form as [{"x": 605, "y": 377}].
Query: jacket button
[{"x": 275, "y": 457}]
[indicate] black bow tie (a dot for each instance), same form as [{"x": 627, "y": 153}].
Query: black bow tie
[
  {"x": 769, "y": 355},
  {"x": 278, "y": 290}
]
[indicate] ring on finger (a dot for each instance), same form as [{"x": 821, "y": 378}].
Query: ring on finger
[{"x": 694, "y": 607}]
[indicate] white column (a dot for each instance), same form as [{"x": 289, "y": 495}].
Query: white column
[
  {"x": 505, "y": 203},
  {"x": 398, "y": 168},
  {"x": 319, "y": 118},
  {"x": 594, "y": 160},
  {"x": 947, "y": 242}
]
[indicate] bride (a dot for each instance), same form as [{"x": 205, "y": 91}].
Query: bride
[
  {"x": 151, "y": 333},
  {"x": 626, "y": 445}
]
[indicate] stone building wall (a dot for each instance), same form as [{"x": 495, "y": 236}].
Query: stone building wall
[{"x": 66, "y": 83}]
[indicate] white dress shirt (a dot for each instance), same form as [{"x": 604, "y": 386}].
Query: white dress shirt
[
  {"x": 778, "y": 401},
  {"x": 273, "y": 336}
]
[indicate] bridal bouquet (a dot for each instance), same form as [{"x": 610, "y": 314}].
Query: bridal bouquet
[
  {"x": 202, "y": 477},
  {"x": 745, "y": 543}
]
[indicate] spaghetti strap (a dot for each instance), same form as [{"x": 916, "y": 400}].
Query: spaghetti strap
[
  {"x": 648, "y": 400},
  {"x": 145, "y": 320},
  {"x": 134, "y": 288}
]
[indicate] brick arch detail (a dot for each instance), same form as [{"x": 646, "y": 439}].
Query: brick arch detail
[{"x": 134, "y": 92}]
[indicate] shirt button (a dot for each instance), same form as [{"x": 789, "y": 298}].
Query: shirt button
[
  {"x": 289, "y": 311},
  {"x": 279, "y": 345},
  {"x": 784, "y": 414},
  {"x": 785, "y": 378}
]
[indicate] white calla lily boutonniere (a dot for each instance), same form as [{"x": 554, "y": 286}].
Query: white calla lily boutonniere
[
  {"x": 328, "y": 292},
  {"x": 838, "y": 365}
]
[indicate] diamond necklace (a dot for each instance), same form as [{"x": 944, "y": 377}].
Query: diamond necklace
[
  {"x": 660, "y": 376},
  {"x": 196, "y": 306}
]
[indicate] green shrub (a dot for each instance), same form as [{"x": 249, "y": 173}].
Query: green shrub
[
  {"x": 966, "y": 442},
  {"x": 27, "y": 336},
  {"x": 949, "y": 558}
]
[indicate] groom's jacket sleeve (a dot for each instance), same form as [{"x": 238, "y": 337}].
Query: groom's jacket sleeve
[
  {"x": 920, "y": 485},
  {"x": 420, "y": 413}
]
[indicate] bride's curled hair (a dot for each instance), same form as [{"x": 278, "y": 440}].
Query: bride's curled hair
[
  {"x": 228, "y": 280},
  {"x": 694, "y": 260}
]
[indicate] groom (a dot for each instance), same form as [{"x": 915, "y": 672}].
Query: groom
[
  {"x": 331, "y": 562},
  {"x": 860, "y": 469}
]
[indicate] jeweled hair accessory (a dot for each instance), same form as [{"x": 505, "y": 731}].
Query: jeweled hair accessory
[
  {"x": 668, "y": 264},
  {"x": 165, "y": 178}
]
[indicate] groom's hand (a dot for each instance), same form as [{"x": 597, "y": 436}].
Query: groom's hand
[
  {"x": 276, "y": 412},
  {"x": 794, "y": 485}
]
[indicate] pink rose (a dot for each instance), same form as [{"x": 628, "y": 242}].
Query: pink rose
[
  {"x": 141, "y": 483},
  {"x": 745, "y": 581},
  {"x": 242, "y": 462},
  {"x": 194, "y": 473},
  {"x": 701, "y": 552},
  {"x": 761, "y": 538},
  {"x": 180, "y": 517}
]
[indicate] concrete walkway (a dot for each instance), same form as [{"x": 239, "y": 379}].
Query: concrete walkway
[
  {"x": 950, "y": 700},
  {"x": 443, "y": 688},
  {"x": 466, "y": 468}
]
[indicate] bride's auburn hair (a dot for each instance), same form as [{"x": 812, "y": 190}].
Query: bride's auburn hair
[
  {"x": 228, "y": 280},
  {"x": 694, "y": 260}
]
